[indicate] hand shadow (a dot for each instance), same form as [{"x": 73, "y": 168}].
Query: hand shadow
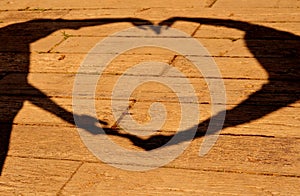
[
  {"x": 15, "y": 40},
  {"x": 276, "y": 51}
]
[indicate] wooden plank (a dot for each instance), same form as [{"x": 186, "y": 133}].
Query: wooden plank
[
  {"x": 99, "y": 179},
  {"x": 247, "y": 68},
  {"x": 237, "y": 90},
  {"x": 93, "y": 4},
  {"x": 234, "y": 95},
  {"x": 12, "y": 17},
  {"x": 157, "y": 14},
  {"x": 285, "y": 15},
  {"x": 29, "y": 176},
  {"x": 286, "y": 119},
  {"x": 261, "y": 155},
  {"x": 216, "y": 47},
  {"x": 75, "y": 4},
  {"x": 256, "y": 4},
  {"x": 48, "y": 142},
  {"x": 111, "y": 28}
]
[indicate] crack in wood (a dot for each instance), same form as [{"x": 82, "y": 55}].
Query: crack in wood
[
  {"x": 126, "y": 112},
  {"x": 210, "y": 3},
  {"x": 70, "y": 178}
]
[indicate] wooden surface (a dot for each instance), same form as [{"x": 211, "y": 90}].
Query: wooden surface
[{"x": 257, "y": 152}]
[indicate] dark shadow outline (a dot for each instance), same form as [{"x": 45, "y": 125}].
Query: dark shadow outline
[
  {"x": 15, "y": 40},
  {"x": 268, "y": 46}
]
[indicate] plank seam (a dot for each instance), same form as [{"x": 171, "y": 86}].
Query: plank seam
[{"x": 72, "y": 175}]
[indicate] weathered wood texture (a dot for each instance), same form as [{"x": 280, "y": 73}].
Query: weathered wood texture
[{"x": 257, "y": 152}]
